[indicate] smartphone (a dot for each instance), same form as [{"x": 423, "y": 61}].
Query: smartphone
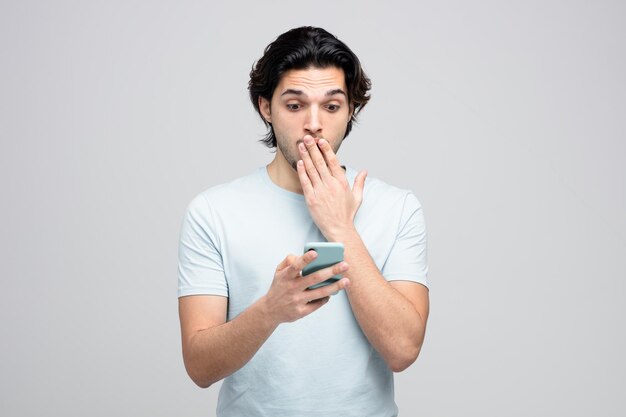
[{"x": 328, "y": 254}]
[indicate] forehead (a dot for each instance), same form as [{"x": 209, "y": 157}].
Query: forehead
[{"x": 312, "y": 80}]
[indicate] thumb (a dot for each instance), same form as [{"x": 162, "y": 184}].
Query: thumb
[
  {"x": 289, "y": 259},
  {"x": 359, "y": 184}
]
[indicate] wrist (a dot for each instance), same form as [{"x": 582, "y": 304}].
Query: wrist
[
  {"x": 343, "y": 235},
  {"x": 265, "y": 312}
]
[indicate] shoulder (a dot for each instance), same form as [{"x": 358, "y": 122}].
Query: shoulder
[
  {"x": 229, "y": 193},
  {"x": 379, "y": 193}
]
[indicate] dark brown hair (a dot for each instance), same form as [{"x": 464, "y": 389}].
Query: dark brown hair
[{"x": 302, "y": 48}]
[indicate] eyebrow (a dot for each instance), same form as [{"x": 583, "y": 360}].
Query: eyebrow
[{"x": 301, "y": 93}]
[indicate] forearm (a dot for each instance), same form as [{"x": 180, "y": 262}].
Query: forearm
[
  {"x": 388, "y": 319},
  {"x": 217, "y": 352}
]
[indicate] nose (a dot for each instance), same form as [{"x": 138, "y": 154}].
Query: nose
[{"x": 313, "y": 125}]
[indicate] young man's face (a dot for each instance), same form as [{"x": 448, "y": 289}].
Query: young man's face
[{"x": 312, "y": 101}]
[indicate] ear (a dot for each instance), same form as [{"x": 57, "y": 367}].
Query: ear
[{"x": 265, "y": 109}]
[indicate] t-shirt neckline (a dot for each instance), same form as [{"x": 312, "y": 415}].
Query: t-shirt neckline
[{"x": 265, "y": 177}]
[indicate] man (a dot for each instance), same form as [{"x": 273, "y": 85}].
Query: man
[{"x": 246, "y": 313}]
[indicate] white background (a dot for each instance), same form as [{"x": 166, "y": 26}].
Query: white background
[{"x": 507, "y": 120}]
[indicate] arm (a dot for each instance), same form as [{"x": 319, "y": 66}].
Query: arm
[
  {"x": 392, "y": 315},
  {"x": 214, "y": 348}
]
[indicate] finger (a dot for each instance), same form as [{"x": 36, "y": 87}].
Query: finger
[
  {"x": 359, "y": 184},
  {"x": 305, "y": 182},
  {"x": 311, "y": 171},
  {"x": 289, "y": 259},
  {"x": 300, "y": 262},
  {"x": 324, "y": 299},
  {"x": 331, "y": 159},
  {"x": 324, "y": 274},
  {"x": 314, "y": 305},
  {"x": 317, "y": 157},
  {"x": 328, "y": 290}
]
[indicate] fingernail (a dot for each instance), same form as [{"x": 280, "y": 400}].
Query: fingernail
[
  {"x": 301, "y": 147},
  {"x": 322, "y": 142},
  {"x": 308, "y": 140}
]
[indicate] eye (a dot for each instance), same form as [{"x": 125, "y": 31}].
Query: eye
[
  {"x": 332, "y": 108},
  {"x": 293, "y": 106}
]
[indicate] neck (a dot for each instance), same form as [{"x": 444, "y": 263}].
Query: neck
[{"x": 283, "y": 175}]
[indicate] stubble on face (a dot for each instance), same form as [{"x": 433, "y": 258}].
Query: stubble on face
[
  {"x": 292, "y": 154},
  {"x": 315, "y": 93}
]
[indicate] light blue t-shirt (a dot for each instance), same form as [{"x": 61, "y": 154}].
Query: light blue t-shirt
[{"x": 234, "y": 236}]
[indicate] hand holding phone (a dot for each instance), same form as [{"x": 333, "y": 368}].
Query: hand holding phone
[{"x": 328, "y": 254}]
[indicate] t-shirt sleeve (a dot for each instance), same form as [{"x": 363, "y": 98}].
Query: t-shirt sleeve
[
  {"x": 408, "y": 258},
  {"x": 200, "y": 263}
]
